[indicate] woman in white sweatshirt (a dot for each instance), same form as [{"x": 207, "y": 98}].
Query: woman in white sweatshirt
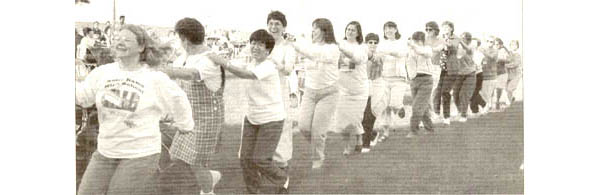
[
  {"x": 131, "y": 98},
  {"x": 321, "y": 93},
  {"x": 387, "y": 100},
  {"x": 354, "y": 87}
]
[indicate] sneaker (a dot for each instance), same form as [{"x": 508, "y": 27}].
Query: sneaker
[
  {"x": 421, "y": 126},
  {"x": 401, "y": 113},
  {"x": 446, "y": 121},
  {"x": 365, "y": 150},
  {"x": 284, "y": 189},
  {"x": 374, "y": 141},
  {"x": 216, "y": 176},
  {"x": 411, "y": 134},
  {"x": 462, "y": 119}
]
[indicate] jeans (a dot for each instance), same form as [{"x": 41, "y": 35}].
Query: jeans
[
  {"x": 367, "y": 123},
  {"x": 462, "y": 92},
  {"x": 420, "y": 88},
  {"x": 316, "y": 114},
  {"x": 256, "y": 157},
  {"x": 120, "y": 176},
  {"x": 476, "y": 99},
  {"x": 442, "y": 93}
]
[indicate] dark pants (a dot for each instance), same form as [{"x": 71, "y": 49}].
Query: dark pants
[
  {"x": 258, "y": 146},
  {"x": 476, "y": 99},
  {"x": 464, "y": 86},
  {"x": 367, "y": 123},
  {"x": 420, "y": 88},
  {"x": 442, "y": 93}
]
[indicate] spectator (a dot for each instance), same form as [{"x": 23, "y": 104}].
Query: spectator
[{"x": 131, "y": 99}]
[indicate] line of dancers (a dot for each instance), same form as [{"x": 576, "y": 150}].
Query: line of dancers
[{"x": 354, "y": 86}]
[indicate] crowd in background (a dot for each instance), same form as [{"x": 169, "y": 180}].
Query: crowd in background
[{"x": 353, "y": 86}]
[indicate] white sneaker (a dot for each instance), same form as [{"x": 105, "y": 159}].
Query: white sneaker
[
  {"x": 365, "y": 150},
  {"x": 446, "y": 121},
  {"x": 216, "y": 176},
  {"x": 462, "y": 119}
]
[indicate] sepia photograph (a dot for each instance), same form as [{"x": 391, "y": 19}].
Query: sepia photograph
[{"x": 298, "y": 97}]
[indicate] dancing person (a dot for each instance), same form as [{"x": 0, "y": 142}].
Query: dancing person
[
  {"x": 354, "y": 88},
  {"x": 502, "y": 77},
  {"x": 131, "y": 98},
  {"x": 488, "y": 67},
  {"x": 374, "y": 69},
  {"x": 387, "y": 100},
  {"x": 432, "y": 40},
  {"x": 476, "y": 99},
  {"x": 514, "y": 69},
  {"x": 284, "y": 57},
  {"x": 204, "y": 83},
  {"x": 421, "y": 71},
  {"x": 320, "y": 90},
  {"x": 263, "y": 124},
  {"x": 449, "y": 64},
  {"x": 464, "y": 85}
]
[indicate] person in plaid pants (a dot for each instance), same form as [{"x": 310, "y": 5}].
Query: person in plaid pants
[{"x": 203, "y": 82}]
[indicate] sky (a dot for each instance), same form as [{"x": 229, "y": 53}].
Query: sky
[{"x": 480, "y": 17}]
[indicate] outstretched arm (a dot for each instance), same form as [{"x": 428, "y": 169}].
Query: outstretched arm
[{"x": 226, "y": 64}]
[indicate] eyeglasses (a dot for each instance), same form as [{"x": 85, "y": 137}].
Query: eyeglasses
[
  {"x": 429, "y": 29},
  {"x": 372, "y": 42}
]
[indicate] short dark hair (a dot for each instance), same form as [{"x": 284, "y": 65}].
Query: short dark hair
[
  {"x": 86, "y": 31},
  {"x": 263, "y": 36},
  {"x": 393, "y": 25},
  {"x": 468, "y": 37},
  {"x": 499, "y": 41},
  {"x": 121, "y": 17},
  {"x": 359, "y": 38},
  {"x": 372, "y": 36},
  {"x": 277, "y": 15},
  {"x": 418, "y": 36},
  {"x": 450, "y": 24},
  {"x": 433, "y": 25},
  {"x": 327, "y": 28},
  {"x": 191, "y": 29}
]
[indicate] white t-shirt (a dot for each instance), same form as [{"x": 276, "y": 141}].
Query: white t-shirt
[
  {"x": 209, "y": 72},
  {"x": 265, "y": 103},
  {"x": 355, "y": 81},
  {"x": 394, "y": 66},
  {"x": 323, "y": 71},
  {"x": 130, "y": 105}
]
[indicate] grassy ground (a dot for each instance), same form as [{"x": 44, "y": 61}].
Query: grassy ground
[{"x": 482, "y": 155}]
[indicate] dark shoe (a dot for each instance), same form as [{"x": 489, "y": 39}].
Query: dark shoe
[
  {"x": 401, "y": 113},
  {"x": 284, "y": 189}
]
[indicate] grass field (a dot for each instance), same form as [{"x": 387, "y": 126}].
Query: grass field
[{"x": 482, "y": 155}]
